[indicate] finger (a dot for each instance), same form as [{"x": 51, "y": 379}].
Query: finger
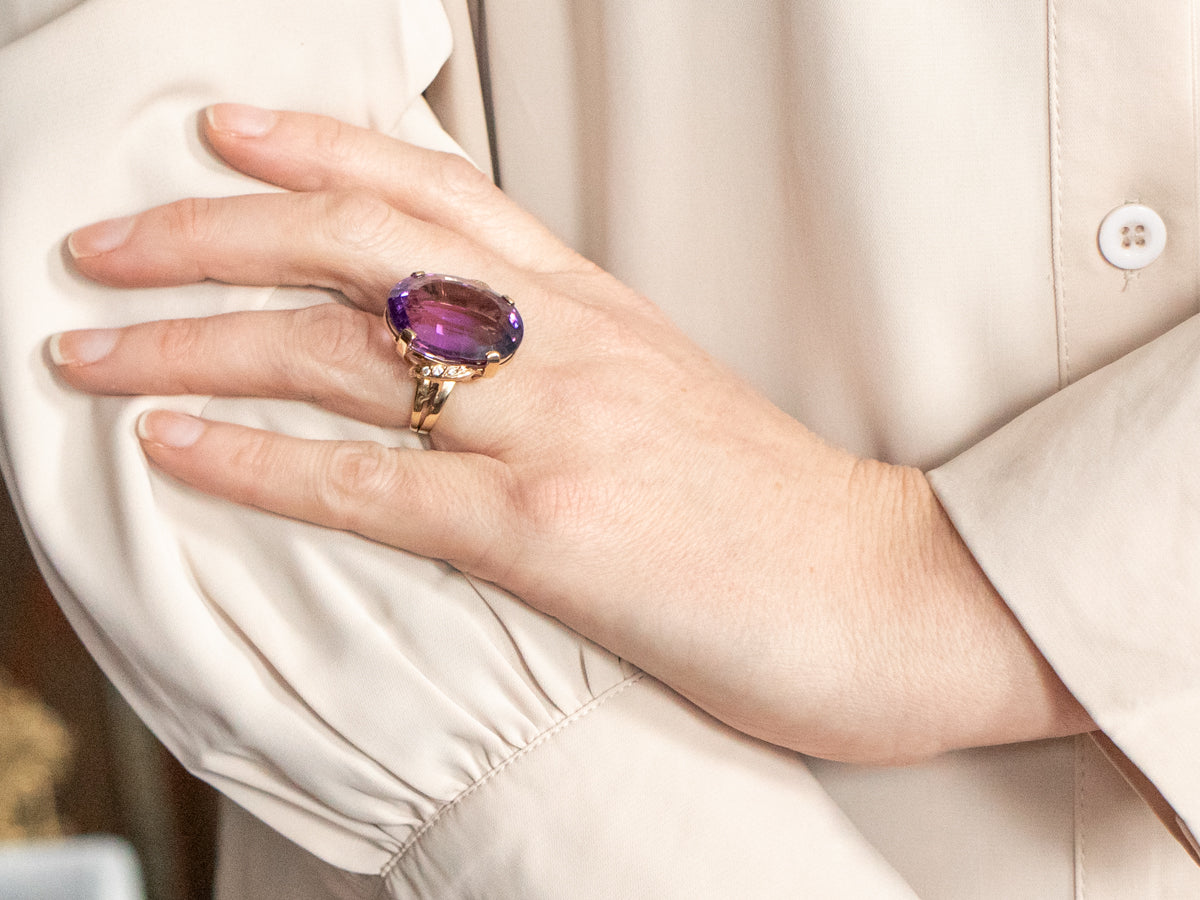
[
  {"x": 350, "y": 241},
  {"x": 304, "y": 152},
  {"x": 443, "y": 505},
  {"x": 338, "y": 357}
]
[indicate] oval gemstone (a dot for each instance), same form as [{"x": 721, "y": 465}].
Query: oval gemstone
[{"x": 454, "y": 320}]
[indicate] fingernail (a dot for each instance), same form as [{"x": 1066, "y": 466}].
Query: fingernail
[
  {"x": 100, "y": 238},
  {"x": 82, "y": 348},
  {"x": 240, "y": 120},
  {"x": 171, "y": 429}
]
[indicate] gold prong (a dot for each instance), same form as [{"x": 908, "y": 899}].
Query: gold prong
[
  {"x": 420, "y": 273},
  {"x": 404, "y": 340},
  {"x": 492, "y": 364}
]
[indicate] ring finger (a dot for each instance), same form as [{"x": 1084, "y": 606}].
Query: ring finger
[
  {"x": 338, "y": 357},
  {"x": 333, "y": 355}
]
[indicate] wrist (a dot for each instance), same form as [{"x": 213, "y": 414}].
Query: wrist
[{"x": 968, "y": 673}]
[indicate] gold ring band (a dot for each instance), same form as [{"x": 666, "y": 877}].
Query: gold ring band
[{"x": 428, "y": 399}]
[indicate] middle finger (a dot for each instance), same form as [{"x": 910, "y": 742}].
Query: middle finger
[{"x": 351, "y": 241}]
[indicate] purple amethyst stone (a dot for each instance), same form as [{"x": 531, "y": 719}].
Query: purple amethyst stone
[{"x": 453, "y": 320}]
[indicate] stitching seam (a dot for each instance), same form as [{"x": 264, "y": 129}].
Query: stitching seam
[
  {"x": 1195, "y": 116},
  {"x": 1060, "y": 298},
  {"x": 542, "y": 738},
  {"x": 1080, "y": 818}
]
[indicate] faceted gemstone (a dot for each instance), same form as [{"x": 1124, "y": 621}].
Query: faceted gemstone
[{"x": 454, "y": 320}]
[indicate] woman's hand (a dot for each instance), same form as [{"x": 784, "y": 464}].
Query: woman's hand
[{"x": 613, "y": 475}]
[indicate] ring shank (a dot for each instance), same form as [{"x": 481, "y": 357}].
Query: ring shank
[{"x": 428, "y": 399}]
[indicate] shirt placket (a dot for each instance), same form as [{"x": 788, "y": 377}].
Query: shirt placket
[{"x": 1123, "y": 178}]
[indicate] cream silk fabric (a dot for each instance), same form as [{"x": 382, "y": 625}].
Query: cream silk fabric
[
  {"x": 410, "y": 728},
  {"x": 885, "y": 213}
]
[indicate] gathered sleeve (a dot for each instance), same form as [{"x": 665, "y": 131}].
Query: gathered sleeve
[{"x": 380, "y": 710}]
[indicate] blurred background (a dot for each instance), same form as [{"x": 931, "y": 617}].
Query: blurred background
[{"x": 74, "y": 759}]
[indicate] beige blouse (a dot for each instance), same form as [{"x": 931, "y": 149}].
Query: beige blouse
[{"x": 888, "y": 215}]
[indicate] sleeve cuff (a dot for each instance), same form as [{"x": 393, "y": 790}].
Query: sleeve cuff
[{"x": 1085, "y": 514}]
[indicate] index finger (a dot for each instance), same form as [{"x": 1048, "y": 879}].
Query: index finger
[{"x": 306, "y": 152}]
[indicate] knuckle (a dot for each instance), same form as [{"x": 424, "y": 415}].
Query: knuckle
[
  {"x": 334, "y": 143},
  {"x": 359, "y": 220},
  {"x": 549, "y": 504},
  {"x": 254, "y": 459},
  {"x": 333, "y": 335},
  {"x": 622, "y": 342},
  {"x": 459, "y": 182},
  {"x": 191, "y": 220},
  {"x": 609, "y": 332},
  {"x": 357, "y": 475},
  {"x": 179, "y": 343}
]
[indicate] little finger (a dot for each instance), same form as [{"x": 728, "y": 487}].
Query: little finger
[{"x": 449, "y": 506}]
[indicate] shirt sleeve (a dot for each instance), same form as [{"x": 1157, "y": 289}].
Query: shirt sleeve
[
  {"x": 382, "y": 711},
  {"x": 254, "y": 646},
  {"x": 1085, "y": 514}
]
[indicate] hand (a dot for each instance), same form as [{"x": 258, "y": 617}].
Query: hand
[{"x": 613, "y": 475}]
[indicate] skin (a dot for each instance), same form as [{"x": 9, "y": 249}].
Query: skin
[{"x": 612, "y": 475}]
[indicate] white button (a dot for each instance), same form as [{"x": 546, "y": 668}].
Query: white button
[{"x": 1132, "y": 236}]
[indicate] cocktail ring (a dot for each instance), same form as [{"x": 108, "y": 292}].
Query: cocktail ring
[{"x": 449, "y": 330}]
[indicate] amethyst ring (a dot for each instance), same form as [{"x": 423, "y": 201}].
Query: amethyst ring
[{"x": 449, "y": 330}]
